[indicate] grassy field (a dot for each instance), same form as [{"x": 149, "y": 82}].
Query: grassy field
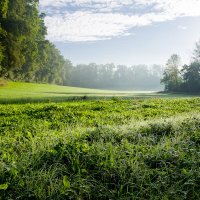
[
  {"x": 102, "y": 149},
  {"x": 18, "y": 92}
]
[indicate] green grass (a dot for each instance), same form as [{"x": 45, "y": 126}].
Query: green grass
[
  {"x": 113, "y": 149},
  {"x": 19, "y": 92}
]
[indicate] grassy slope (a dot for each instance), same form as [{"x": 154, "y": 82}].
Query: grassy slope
[
  {"x": 27, "y": 92},
  {"x": 139, "y": 149}
]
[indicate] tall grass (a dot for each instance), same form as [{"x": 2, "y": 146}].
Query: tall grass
[{"x": 141, "y": 149}]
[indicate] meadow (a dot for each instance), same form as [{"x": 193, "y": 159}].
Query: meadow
[
  {"x": 115, "y": 148},
  {"x": 20, "y": 92}
]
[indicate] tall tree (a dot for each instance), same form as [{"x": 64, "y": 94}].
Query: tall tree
[
  {"x": 191, "y": 77},
  {"x": 25, "y": 54},
  {"x": 52, "y": 67},
  {"x": 171, "y": 76},
  {"x": 3, "y": 13},
  {"x": 67, "y": 71},
  {"x": 21, "y": 26}
]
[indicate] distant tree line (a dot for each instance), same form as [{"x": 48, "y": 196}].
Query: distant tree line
[
  {"x": 177, "y": 78},
  {"x": 110, "y": 76}
]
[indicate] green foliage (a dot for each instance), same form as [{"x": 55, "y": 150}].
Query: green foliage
[
  {"x": 4, "y": 186},
  {"x": 136, "y": 149},
  {"x": 171, "y": 77},
  {"x": 1, "y": 56},
  {"x": 19, "y": 25},
  {"x": 25, "y": 54},
  {"x": 3, "y": 13},
  {"x": 67, "y": 71},
  {"x": 66, "y": 183},
  {"x": 3, "y": 8},
  {"x": 191, "y": 77},
  {"x": 185, "y": 80},
  {"x": 51, "y": 71}
]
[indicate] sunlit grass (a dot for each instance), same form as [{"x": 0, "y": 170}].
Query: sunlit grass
[
  {"x": 114, "y": 149},
  {"x": 19, "y": 92}
]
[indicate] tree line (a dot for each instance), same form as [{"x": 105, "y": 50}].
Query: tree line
[
  {"x": 186, "y": 78},
  {"x": 110, "y": 76},
  {"x": 25, "y": 54}
]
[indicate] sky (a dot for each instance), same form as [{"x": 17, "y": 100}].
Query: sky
[{"x": 123, "y": 31}]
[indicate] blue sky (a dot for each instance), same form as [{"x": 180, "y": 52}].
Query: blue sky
[{"x": 123, "y": 31}]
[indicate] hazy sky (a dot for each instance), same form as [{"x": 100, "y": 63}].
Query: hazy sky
[{"x": 123, "y": 31}]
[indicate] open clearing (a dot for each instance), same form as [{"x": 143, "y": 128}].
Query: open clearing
[{"x": 19, "y": 92}]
